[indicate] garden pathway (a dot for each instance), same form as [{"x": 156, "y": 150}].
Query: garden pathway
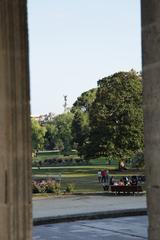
[{"x": 77, "y": 204}]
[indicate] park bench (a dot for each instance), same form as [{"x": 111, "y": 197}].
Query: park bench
[{"x": 124, "y": 189}]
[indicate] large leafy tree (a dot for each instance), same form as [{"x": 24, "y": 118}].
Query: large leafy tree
[
  {"x": 63, "y": 137},
  {"x": 38, "y": 133},
  {"x": 80, "y": 123},
  {"x": 116, "y": 117},
  {"x": 84, "y": 102},
  {"x": 50, "y": 136},
  {"x": 80, "y": 131}
]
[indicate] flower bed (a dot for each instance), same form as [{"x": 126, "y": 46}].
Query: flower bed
[{"x": 46, "y": 186}]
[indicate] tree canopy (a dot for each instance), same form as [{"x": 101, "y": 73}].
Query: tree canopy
[
  {"x": 55, "y": 134},
  {"x": 105, "y": 121},
  {"x": 116, "y": 117},
  {"x": 84, "y": 102},
  {"x": 80, "y": 123},
  {"x": 50, "y": 136},
  {"x": 63, "y": 136},
  {"x": 38, "y": 133}
]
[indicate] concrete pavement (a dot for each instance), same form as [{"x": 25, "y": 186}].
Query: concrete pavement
[
  {"x": 126, "y": 228},
  {"x": 66, "y": 205}
]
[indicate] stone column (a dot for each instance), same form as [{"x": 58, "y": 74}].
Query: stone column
[
  {"x": 15, "y": 140},
  {"x": 151, "y": 80}
]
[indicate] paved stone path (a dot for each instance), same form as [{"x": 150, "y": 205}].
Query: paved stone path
[
  {"x": 84, "y": 204},
  {"x": 126, "y": 228}
]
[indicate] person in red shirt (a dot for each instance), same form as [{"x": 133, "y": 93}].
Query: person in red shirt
[{"x": 104, "y": 175}]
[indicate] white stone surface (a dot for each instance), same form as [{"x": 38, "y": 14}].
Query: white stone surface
[{"x": 84, "y": 204}]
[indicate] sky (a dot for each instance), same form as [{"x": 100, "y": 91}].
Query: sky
[{"x": 74, "y": 43}]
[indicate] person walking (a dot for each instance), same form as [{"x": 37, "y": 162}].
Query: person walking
[
  {"x": 103, "y": 174},
  {"x": 99, "y": 175}
]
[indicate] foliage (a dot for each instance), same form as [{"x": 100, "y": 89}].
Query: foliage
[
  {"x": 107, "y": 121},
  {"x": 58, "y": 133},
  {"x": 50, "y": 136},
  {"x": 83, "y": 177},
  {"x": 70, "y": 188},
  {"x": 49, "y": 186},
  {"x": 64, "y": 137},
  {"x": 38, "y": 133},
  {"x": 57, "y": 188},
  {"x": 35, "y": 188},
  {"x": 80, "y": 131},
  {"x": 84, "y": 102},
  {"x": 138, "y": 160},
  {"x": 116, "y": 117},
  {"x": 80, "y": 123},
  {"x": 60, "y": 161}
]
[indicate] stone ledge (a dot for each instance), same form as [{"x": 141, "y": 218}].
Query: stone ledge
[{"x": 90, "y": 216}]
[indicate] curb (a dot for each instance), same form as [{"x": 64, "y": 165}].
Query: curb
[{"x": 90, "y": 216}]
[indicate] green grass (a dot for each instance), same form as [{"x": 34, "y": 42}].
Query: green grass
[
  {"x": 84, "y": 177},
  {"x": 83, "y": 183},
  {"x": 46, "y": 156},
  {"x": 71, "y": 170},
  {"x": 43, "y": 155},
  {"x": 102, "y": 161}
]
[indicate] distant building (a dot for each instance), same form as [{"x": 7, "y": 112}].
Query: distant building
[{"x": 44, "y": 118}]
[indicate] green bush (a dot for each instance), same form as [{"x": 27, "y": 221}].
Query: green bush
[
  {"x": 138, "y": 160},
  {"x": 57, "y": 188},
  {"x": 70, "y": 188}
]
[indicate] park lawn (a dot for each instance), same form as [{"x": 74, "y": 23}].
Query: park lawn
[
  {"x": 71, "y": 170},
  {"x": 44, "y": 155},
  {"x": 102, "y": 161},
  {"x": 82, "y": 184},
  {"x": 83, "y": 177},
  {"x": 77, "y": 166}
]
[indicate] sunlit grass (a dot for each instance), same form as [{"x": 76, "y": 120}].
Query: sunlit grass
[{"x": 83, "y": 177}]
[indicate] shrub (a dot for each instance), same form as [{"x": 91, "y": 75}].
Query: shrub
[
  {"x": 49, "y": 186},
  {"x": 138, "y": 160},
  {"x": 57, "y": 188},
  {"x": 35, "y": 188},
  {"x": 70, "y": 188}
]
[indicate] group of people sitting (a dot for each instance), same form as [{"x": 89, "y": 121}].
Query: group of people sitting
[
  {"x": 124, "y": 181},
  {"x": 103, "y": 177}
]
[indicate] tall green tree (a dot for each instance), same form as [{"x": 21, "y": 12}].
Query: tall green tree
[
  {"x": 64, "y": 137},
  {"x": 84, "y": 102},
  {"x": 80, "y": 131},
  {"x": 38, "y": 133},
  {"x": 116, "y": 117},
  {"x": 50, "y": 136},
  {"x": 80, "y": 123}
]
